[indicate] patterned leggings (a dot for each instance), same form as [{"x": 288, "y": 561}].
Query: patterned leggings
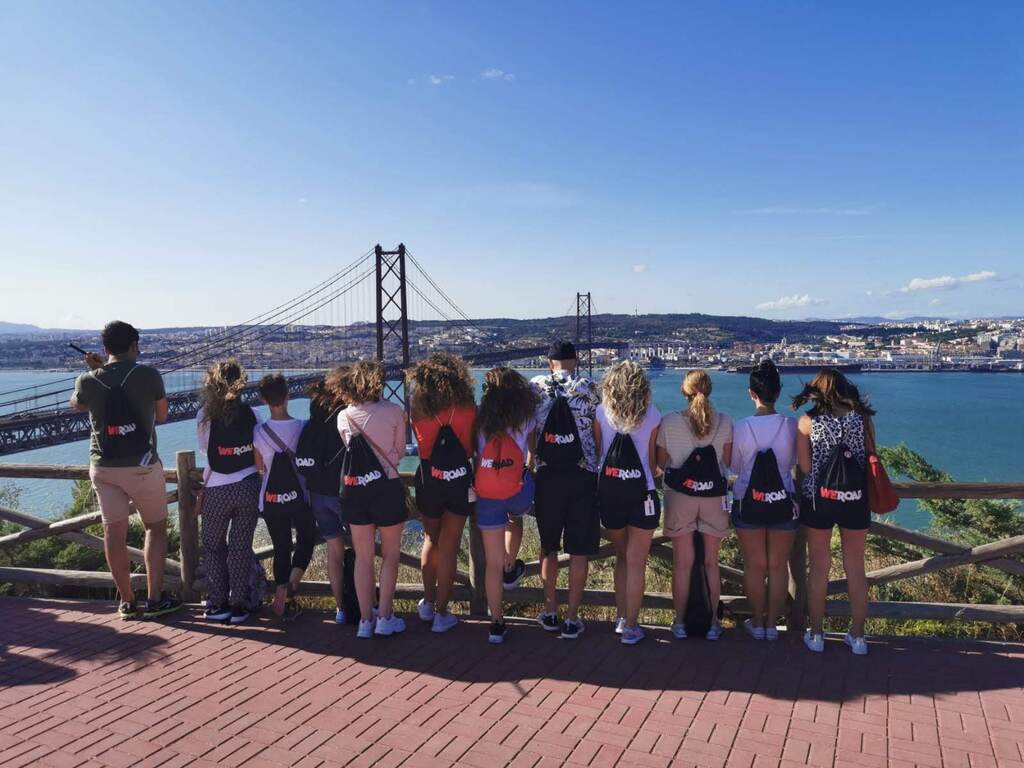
[{"x": 229, "y": 521}]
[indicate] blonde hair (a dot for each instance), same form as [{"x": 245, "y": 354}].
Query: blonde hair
[
  {"x": 221, "y": 389},
  {"x": 697, "y": 390},
  {"x": 626, "y": 395},
  {"x": 362, "y": 382}
]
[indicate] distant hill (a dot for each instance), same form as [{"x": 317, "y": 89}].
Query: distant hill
[{"x": 19, "y": 328}]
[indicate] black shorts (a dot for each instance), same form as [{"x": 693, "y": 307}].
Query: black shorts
[
  {"x": 635, "y": 515},
  {"x": 389, "y": 510},
  {"x": 432, "y": 504},
  {"x": 564, "y": 506},
  {"x": 824, "y": 521}
]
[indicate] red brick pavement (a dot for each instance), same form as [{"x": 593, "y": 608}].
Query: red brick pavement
[{"x": 78, "y": 687}]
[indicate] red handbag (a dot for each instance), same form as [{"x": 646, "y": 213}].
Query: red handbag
[{"x": 882, "y": 497}]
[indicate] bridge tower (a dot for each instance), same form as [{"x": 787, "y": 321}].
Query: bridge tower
[
  {"x": 392, "y": 320},
  {"x": 585, "y": 320}
]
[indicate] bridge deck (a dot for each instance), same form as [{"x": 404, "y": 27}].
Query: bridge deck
[{"x": 78, "y": 687}]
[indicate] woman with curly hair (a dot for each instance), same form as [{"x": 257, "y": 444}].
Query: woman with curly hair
[
  {"x": 626, "y": 429},
  {"x": 440, "y": 390},
  {"x": 506, "y": 425},
  {"x": 372, "y": 494},
  {"x": 224, "y": 428}
]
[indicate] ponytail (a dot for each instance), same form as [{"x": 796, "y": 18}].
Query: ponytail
[{"x": 697, "y": 389}]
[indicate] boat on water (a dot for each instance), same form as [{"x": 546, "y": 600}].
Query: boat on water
[{"x": 655, "y": 364}]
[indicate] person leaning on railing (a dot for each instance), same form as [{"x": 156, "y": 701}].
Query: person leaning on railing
[{"x": 125, "y": 401}]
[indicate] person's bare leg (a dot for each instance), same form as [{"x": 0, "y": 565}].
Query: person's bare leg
[
  {"x": 362, "y": 542},
  {"x": 428, "y": 558},
  {"x": 780, "y": 544},
  {"x": 449, "y": 545},
  {"x": 155, "y": 551},
  {"x": 638, "y": 546},
  {"x": 578, "y": 566},
  {"x": 618, "y": 539},
  {"x": 390, "y": 548},
  {"x": 336, "y": 568},
  {"x": 682, "y": 566},
  {"x": 754, "y": 547},
  {"x": 819, "y": 553},
  {"x": 549, "y": 575},
  {"x": 711, "y": 547},
  {"x": 115, "y": 547},
  {"x": 295, "y": 578},
  {"x": 494, "y": 555},
  {"x": 513, "y": 541},
  {"x": 854, "y": 543}
]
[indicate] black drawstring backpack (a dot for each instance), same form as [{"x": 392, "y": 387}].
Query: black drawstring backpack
[
  {"x": 230, "y": 448},
  {"x": 319, "y": 453},
  {"x": 558, "y": 444},
  {"x": 283, "y": 492},
  {"x": 699, "y": 613},
  {"x": 363, "y": 479},
  {"x": 122, "y": 433},
  {"x": 839, "y": 488},
  {"x": 700, "y": 475},
  {"x": 766, "y": 500},
  {"x": 447, "y": 474},
  {"x": 621, "y": 483}
]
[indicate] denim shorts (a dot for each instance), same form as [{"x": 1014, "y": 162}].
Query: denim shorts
[
  {"x": 496, "y": 513},
  {"x": 738, "y": 524},
  {"x": 327, "y": 511}
]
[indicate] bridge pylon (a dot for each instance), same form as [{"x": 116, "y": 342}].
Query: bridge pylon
[
  {"x": 585, "y": 323},
  {"x": 392, "y": 320}
]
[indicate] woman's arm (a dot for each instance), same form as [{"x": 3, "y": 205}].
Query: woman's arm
[
  {"x": 653, "y": 453},
  {"x": 597, "y": 440},
  {"x": 803, "y": 444}
]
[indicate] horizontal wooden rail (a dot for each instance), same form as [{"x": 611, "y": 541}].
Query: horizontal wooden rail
[
  {"x": 917, "y": 490},
  {"x": 63, "y": 578},
  {"x": 935, "y": 544},
  {"x": 60, "y": 472}
]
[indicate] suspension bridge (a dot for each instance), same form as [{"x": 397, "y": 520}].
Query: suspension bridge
[{"x": 383, "y": 305}]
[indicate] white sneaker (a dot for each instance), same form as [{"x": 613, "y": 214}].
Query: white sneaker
[
  {"x": 631, "y": 635},
  {"x": 425, "y": 610},
  {"x": 758, "y": 633},
  {"x": 815, "y": 643},
  {"x": 714, "y": 632},
  {"x": 443, "y": 622},
  {"x": 679, "y": 631},
  {"x": 366, "y": 627},
  {"x": 771, "y": 634},
  {"x": 858, "y": 645},
  {"x": 390, "y": 626},
  {"x": 620, "y": 624}
]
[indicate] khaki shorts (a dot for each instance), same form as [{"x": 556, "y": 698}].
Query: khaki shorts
[
  {"x": 686, "y": 514},
  {"x": 116, "y": 486}
]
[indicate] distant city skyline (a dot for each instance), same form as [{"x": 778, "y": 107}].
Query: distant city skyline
[{"x": 193, "y": 165}]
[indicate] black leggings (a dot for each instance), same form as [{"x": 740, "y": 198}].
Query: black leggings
[{"x": 279, "y": 525}]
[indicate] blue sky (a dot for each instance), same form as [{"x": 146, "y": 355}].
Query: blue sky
[{"x": 196, "y": 163}]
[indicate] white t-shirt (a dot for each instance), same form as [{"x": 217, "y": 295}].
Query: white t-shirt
[
  {"x": 641, "y": 438},
  {"x": 286, "y": 429},
  {"x": 213, "y": 479},
  {"x": 759, "y": 433},
  {"x": 521, "y": 437}
]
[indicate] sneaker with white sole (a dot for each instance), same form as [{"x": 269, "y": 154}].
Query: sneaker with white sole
[
  {"x": 443, "y": 622},
  {"x": 365, "y": 630},
  {"x": 425, "y": 610},
  {"x": 620, "y": 624},
  {"x": 714, "y": 632},
  {"x": 510, "y": 579},
  {"x": 631, "y": 635},
  {"x": 392, "y": 625},
  {"x": 758, "y": 633},
  {"x": 339, "y": 616},
  {"x": 679, "y": 631},
  {"x": 858, "y": 645},
  {"x": 814, "y": 642},
  {"x": 496, "y": 636},
  {"x": 220, "y": 612},
  {"x": 549, "y": 622},
  {"x": 771, "y": 634},
  {"x": 571, "y": 629}
]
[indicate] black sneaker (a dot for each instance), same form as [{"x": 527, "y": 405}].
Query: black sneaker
[
  {"x": 161, "y": 607},
  {"x": 217, "y": 612},
  {"x": 498, "y": 632},
  {"x": 292, "y": 611},
  {"x": 513, "y": 576},
  {"x": 128, "y": 611},
  {"x": 239, "y": 614},
  {"x": 571, "y": 629},
  {"x": 549, "y": 621}
]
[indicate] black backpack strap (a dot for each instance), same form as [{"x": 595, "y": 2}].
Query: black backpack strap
[{"x": 276, "y": 439}]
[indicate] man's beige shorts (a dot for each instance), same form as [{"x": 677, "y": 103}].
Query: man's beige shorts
[
  {"x": 116, "y": 486},
  {"x": 686, "y": 514}
]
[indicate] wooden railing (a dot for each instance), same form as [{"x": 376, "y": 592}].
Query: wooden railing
[{"x": 186, "y": 573}]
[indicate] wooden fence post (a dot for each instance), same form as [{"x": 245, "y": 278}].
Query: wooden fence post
[
  {"x": 477, "y": 571},
  {"x": 796, "y": 620},
  {"x": 188, "y": 525}
]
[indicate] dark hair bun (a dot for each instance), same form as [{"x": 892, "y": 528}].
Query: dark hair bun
[{"x": 765, "y": 381}]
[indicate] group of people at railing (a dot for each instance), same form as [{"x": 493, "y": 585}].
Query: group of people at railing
[{"x": 584, "y": 457}]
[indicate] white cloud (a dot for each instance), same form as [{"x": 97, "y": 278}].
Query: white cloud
[
  {"x": 790, "y": 302},
  {"x": 639, "y": 267},
  {"x": 439, "y": 79},
  {"x": 492, "y": 73},
  {"x": 783, "y": 210},
  {"x": 935, "y": 302},
  {"x": 946, "y": 281}
]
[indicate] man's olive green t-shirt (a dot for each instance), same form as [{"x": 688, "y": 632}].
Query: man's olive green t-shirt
[{"x": 142, "y": 389}]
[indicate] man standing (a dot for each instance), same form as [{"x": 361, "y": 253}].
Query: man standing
[
  {"x": 566, "y": 482},
  {"x": 125, "y": 402}
]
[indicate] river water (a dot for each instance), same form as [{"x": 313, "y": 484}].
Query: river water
[{"x": 969, "y": 424}]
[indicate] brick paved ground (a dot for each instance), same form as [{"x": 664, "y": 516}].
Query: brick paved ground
[{"x": 78, "y": 687}]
